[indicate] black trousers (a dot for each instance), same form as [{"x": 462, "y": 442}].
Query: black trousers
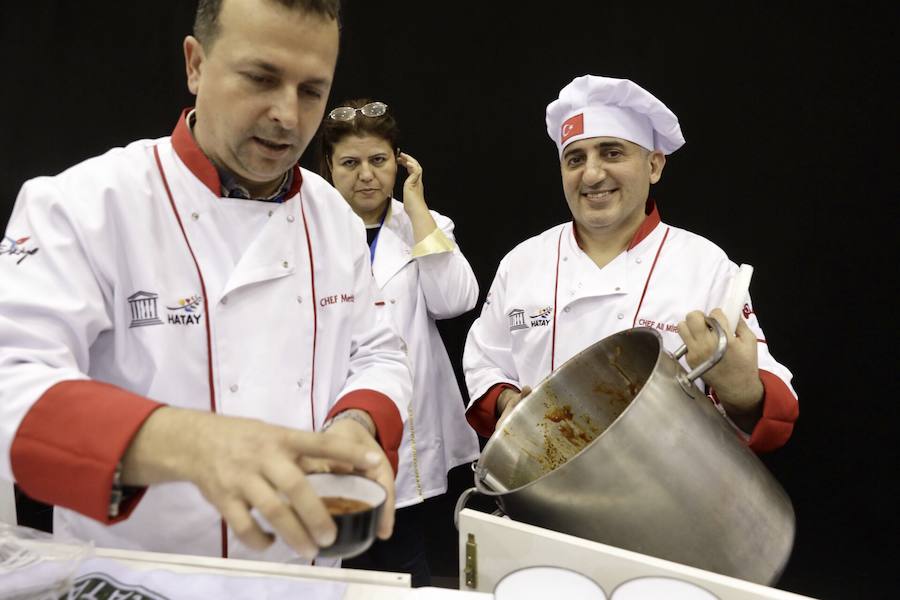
[{"x": 403, "y": 552}]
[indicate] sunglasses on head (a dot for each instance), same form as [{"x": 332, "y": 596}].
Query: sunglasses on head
[{"x": 348, "y": 113}]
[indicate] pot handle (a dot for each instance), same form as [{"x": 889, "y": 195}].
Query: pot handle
[
  {"x": 721, "y": 345},
  {"x": 464, "y": 497},
  {"x": 461, "y": 504}
]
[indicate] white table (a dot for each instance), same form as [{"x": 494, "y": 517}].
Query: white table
[
  {"x": 502, "y": 546},
  {"x": 28, "y": 566},
  {"x": 369, "y": 585}
]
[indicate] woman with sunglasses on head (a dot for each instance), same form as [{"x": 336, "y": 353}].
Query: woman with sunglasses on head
[{"x": 423, "y": 276}]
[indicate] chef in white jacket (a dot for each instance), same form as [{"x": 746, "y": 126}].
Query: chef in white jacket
[
  {"x": 181, "y": 318},
  {"x": 616, "y": 266},
  {"x": 423, "y": 277}
]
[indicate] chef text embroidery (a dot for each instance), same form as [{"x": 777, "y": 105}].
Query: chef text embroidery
[
  {"x": 658, "y": 325},
  {"x": 335, "y": 299}
]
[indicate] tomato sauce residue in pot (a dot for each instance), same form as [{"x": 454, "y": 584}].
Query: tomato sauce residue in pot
[
  {"x": 574, "y": 437},
  {"x": 566, "y": 434},
  {"x": 559, "y": 413},
  {"x": 633, "y": 388},
  {"x": 617, "y": 398},
  {"x": 338, "y": 505},
  {"x": 563, "y": 436}
]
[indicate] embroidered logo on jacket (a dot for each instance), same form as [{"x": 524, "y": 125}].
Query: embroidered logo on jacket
[
  {"x": 13, "y": 247},
  {"x": 747, "y": 311},
  {"x": 97, "y": 586},
  {"x": 143, "y": 309},
  {"x": 542, "y": 317},
  {"x": 517, "y": 319},
  {"x": 186, "y": 311}
]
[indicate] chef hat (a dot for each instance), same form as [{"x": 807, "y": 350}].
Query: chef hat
[{"x": 593, "y": 106}]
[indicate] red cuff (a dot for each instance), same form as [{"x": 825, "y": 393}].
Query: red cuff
[
  {"x": 482, "y": 415},
  {"x": 780, "y": 411},
  {"x": 68, "y": 445},
  {"x": 388, "y": 423}
]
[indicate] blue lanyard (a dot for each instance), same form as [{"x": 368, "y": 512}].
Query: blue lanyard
[{"x": 374, "y": 243}]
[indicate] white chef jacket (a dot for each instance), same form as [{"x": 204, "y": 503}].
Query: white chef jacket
[
  {"x": 134, "y": 282},
  {"x": 419, "y": 290},
  {"x": 549, "y": 301}
]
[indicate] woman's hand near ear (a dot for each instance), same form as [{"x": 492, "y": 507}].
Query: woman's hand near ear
[{"x": 414, "y": 198}]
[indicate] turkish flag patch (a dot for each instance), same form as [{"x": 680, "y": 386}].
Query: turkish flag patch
[{"x": 571, "y": 127}]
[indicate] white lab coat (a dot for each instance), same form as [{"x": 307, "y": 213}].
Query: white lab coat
[
  {"x": 418, "y": 291},
  {"x": 548, "y": 276},
  {"x": 113, "y": 294}
]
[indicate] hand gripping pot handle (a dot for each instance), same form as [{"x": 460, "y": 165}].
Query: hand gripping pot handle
[{"x": 686, "y": 381}]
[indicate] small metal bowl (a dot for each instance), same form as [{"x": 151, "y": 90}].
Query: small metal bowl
[{"x": 355, "y": 504}]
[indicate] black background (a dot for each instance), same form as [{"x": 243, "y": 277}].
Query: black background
[{"x": 790, "y": 117}]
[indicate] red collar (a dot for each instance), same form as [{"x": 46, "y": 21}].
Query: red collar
[
  {"x": 647, "y": 226},
  {"x": 193, "y": 157}
]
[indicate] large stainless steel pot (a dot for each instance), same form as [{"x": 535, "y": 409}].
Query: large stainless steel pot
[{"x": 618, "y": 446}]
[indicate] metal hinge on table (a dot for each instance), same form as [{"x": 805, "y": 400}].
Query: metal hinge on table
[{"x": 471, "y": 570}]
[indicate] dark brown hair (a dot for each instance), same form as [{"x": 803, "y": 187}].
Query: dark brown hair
[
  {"x": 333, "y": 131},
  {"x": 206, "y": 21}
]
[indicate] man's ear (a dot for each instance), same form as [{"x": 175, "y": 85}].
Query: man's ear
[
  {"x": 657, "y": 164},
  {"x": 193, "y": 62}
]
